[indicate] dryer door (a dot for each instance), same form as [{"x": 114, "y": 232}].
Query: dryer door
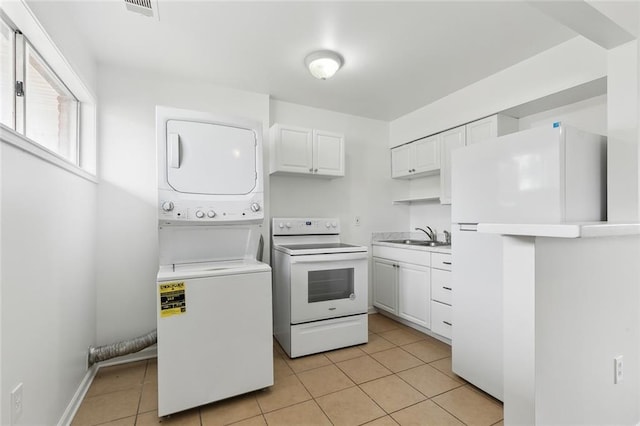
[{"x": 207, "y": 158}]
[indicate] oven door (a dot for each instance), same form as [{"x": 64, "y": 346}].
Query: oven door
[{"x": 328, "y": 286}]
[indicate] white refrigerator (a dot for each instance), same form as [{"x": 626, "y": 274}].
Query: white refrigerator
[{"x": 550, "y": 174}]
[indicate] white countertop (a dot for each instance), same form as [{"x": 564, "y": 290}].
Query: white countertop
[
  {"x": 562, "y": 230},
  {"x": 440, "y": 249}
]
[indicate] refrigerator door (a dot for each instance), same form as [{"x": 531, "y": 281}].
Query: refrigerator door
[
  {"x": 477, "y": 310},
  {"x": 514, "y": 178}
]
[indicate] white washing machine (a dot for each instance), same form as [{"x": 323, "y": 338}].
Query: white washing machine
[{"x": 214, "y": 314}]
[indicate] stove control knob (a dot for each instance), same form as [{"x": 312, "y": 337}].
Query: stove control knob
[
  {"x": 167, "y": 206},
  {"x": 281, "y": 225},
  {"x": 199, "y": 214},
  {"x": 288, "y": 225},
  {"x": 334, "y": 224},
  {"x": 328, "y": 224},
  {"x": 255, "y": 207},
  {"x": 211, "y": 214}
]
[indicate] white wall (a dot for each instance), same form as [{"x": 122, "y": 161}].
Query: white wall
[
  {"x": 582, "y": 325},
  {"x": 48, "y": 283},
  {"x": 127, "y": 223},
  {"x": 365, "y": 191},
  {"x": 47, "y": 249},
  {"x": 589, "y": 115},
  {"x": 567, "y": 65},
  {"x": 432, "y": 214}
]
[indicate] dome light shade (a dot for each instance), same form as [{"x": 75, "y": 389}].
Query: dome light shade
[{"x": 323, "y": 64}]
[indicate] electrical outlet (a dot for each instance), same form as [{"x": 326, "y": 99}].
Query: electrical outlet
[
  {"x": 617, "y": 370},
  {"x": 16, "y": 404},
  {"x": 357, "y": 221}
]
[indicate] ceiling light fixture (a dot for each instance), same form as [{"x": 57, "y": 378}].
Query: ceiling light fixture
[{"x": 323, "y": 64}]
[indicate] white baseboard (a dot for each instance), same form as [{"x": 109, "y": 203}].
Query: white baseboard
[
  {"x": 78, "y": 397},
  {"x": 72, "y": 408}
]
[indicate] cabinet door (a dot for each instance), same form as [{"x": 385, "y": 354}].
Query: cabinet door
[
  {"x": 293, "y": 149},
  {"x": 385, "y": 284},
  {"x": 449, "y": 141},
  {"x": 328, "y": 153},
  {"x": 481, "y": 130},
  {"x": 426, "y": 155},
  {"x": 414, "y": 294},
  {"x": 400, "y": 161}
]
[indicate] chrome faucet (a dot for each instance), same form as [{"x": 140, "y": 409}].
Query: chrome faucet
[
  {"x": 447, "y": 237},
  {"x": 430, "y": 233}
]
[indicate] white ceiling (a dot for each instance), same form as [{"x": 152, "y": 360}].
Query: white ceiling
[{"x": 399, "y": 56}]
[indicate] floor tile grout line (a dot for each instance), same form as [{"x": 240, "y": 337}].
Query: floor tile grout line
[{"x": 457, "y": 418}]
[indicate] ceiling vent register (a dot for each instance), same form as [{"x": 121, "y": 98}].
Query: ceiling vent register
[{"x": 144, "y": 7}]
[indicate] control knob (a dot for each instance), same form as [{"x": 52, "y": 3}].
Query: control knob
[
  {"x": 211, "y": 214},
  {"x": 281, "y": 225},
  {"x": 328, "y": 225},
  {"x": 255, "y": 207},
  {"x": 288, "y": 225},
  {"x": 167, "y": 206},
  {"x": 199, "y": 214},
  {"x": 334, "y": 224}
]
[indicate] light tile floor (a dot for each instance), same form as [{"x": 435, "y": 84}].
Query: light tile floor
[{"x": 400, "y": 377}]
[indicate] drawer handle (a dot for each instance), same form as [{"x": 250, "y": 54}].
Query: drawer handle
[
  {"x": 446, "y": 322},
  {"x": 446, "y": 263},
  {"x": 447, "y": 288}
]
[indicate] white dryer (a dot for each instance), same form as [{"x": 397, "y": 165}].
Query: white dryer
[{"x": 214, "y": 314}]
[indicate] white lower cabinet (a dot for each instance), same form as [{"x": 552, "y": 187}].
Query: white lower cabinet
[
  {"x": 402, "y": 283},
  {"x": 414, "y": 292},
  {"x": 385, "y": 285},
  {"x": 441, "y": 294},
  {"x": 414, "y": 285}
]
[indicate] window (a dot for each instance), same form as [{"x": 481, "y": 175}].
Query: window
[
  {"x": 50, "y": 110},
  {"x": 6, "y": 74}
]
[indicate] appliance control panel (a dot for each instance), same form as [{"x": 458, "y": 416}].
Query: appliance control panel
[
  {"x": 177, "y": 211},
  {"x": 306, "y": 226}
]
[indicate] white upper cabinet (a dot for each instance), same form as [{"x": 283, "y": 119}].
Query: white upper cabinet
[
  {"x": 449, "y": 141},
  {"x": 297, "y": 150},
  {"x": 474, "y": 132},
  {"x": 418, "y": 158},
  {"x": 328, "y": 153}
]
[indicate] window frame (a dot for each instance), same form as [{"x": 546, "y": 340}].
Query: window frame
[
  {"x": 21, "y": 20},
  {"x": 27, "y": 49}
]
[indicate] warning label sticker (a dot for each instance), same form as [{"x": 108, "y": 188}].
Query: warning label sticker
[{"x": 172, "y": 299}]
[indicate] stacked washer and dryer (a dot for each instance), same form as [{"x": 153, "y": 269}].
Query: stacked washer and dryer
[{"x": 214, "y": 304}]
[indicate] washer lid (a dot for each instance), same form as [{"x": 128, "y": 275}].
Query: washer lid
[{"x": 210, "y": 269}]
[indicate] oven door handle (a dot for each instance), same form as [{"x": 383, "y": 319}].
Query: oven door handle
[{"x": 337, "y": 257}]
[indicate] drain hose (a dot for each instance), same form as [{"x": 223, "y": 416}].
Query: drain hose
[{"x": 126, "y": 347}]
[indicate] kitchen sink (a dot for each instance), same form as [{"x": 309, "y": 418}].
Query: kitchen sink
[{"x": 418, "y": 243}]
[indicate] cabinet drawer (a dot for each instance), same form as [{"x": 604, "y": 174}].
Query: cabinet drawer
[
  {"x": 441, "y": 261},
  {"x": 417, "y": 257},
  {"x": 441, "y": 286},
  {"x": 441, "y": 319}
]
